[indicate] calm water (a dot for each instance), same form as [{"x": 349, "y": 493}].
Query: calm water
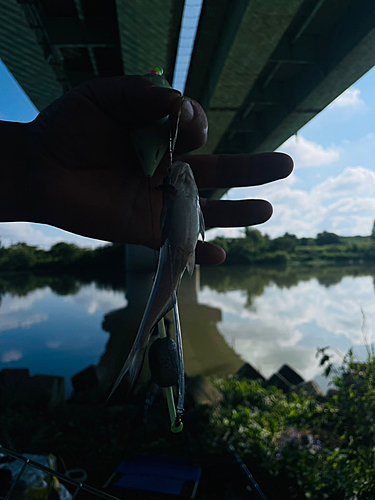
[{"x": 59, "y": 326}]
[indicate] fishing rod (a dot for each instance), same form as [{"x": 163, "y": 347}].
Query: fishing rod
[{"x": 248, "y": 474}]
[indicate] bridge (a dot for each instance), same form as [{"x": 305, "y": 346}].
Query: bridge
[{"x": 260, "y": 68}]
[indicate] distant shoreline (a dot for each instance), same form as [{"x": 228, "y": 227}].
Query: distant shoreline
[
  {"x": 254, "y": 249},
  {"x": 326, "y": 249}
]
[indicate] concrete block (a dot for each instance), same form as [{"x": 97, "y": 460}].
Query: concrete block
[
  {"x": 290, "y": 375},
  {"x": 85, "y": 379},
  {"x": 280, "y": 382},
  {"x": 248, "y": 371},
  {"x": 310, "y": 388}
]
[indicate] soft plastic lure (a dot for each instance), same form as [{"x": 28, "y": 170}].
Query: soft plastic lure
[
  {"x": 152, "y": 141},
  {"x": 180, "y": 224}
]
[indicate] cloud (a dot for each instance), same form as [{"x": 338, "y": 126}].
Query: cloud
[
  {"x": 9, "y": 322},
  {"x": 357, "y": 181},
  {"x": 12, "y": 355},
  {"x": 13, "y": 232},
  {"x": 344, "y": 204},
  {"x": 17, "y": 313},
  {"x": 92, "y": 299},
  {"x": 286, "y": 325},
  {"x": 228, "y": 232},
  {"x": 23, "y": 303},
  {"x": 349, "y": 99},
  {"x": 308, "y": 153},
  {"x": 34, "y": 234},
  {"x": 53, "y": 344}
]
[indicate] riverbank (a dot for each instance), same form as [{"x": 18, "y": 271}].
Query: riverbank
[
  {"x": 295, "y": 445},
  {"x": 256, "y": 249},
  {"x": 62, "y": 257}
]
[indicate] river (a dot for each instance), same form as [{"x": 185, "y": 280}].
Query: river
[{"x": 60, "y": 325}]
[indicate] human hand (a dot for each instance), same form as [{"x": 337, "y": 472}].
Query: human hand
[{"x": 90, "y": 182}]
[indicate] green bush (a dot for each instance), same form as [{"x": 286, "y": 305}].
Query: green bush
[
  {"x": 255, "y": 249},
  {"x": 323, "y": 447},
  {"x": 326, "y": 238}
]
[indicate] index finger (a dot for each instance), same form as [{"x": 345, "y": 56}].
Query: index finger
[{"x": 227, "y": 171}]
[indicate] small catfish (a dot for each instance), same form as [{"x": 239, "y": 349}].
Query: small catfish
[{"x": 181, "y": 222}]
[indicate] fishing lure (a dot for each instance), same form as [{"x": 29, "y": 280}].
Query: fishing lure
[
  {"x": 181, "y": 222},
  {"x": 151, "y": 141}
]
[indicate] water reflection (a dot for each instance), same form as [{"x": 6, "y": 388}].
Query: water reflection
[
  {"x": 205, "y": 350},
  {"x": 61, "y": 325},
  {"x": 271, "y": 317},
  {"x": 51, "y": 325}
]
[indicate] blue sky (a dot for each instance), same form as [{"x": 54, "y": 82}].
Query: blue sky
[
  {"x": 332, "y": 187},
  {"x": 333, "y": 184}
]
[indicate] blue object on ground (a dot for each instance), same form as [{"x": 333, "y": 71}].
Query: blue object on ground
[{"x": 165, "y": 475}]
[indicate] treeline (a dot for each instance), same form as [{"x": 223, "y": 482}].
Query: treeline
[
  {"x": 253, "y": 249},
  {"x": 327, "y": 248},
  {"x": 61, "y": 257}
]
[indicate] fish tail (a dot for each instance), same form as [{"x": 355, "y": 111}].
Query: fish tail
[{"x": 131, "y": 368}]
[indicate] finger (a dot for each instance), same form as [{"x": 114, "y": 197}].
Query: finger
[
  {"x": 226, "y": 171},
  {"x": 235, "y": 213},
  {"x": 193, "y": 127},
  {"x": 134, "y": 100},
  {"x": 130, "y": 99},
  {"x": 209, "y": 254}
]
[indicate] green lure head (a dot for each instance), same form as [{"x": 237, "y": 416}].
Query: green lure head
[
  {"x": 152, "y": 141},
  {"x": 176, "y": 429}
]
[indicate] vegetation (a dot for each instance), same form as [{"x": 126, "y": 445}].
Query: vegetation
[
  {"x": 252, "y": 249},
  {"x": 21, "y": 284},
  {"x": 296, "y": 445},
  {"x": 321, "y": 447},
  {"x": 327, "y": 248},
  {"x": 61, "y": 257}
]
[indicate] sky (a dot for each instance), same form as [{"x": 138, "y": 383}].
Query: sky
[{"x": 332, "y": 187}]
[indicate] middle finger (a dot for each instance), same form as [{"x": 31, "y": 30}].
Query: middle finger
[
  {"x": 226, "y": 171},
  {"x": 235, "y": 213}
]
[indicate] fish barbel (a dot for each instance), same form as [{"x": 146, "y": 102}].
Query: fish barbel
[{"x": 181, "y": 222}]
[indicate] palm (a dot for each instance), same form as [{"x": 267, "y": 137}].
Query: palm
[{"x": 101, "y": 187}]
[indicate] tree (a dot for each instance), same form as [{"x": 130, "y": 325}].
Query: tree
[
  {"x": 66, "y": 252},
  {"x": 286, "y": 243},
  {"x": 373, "y": 231},
  {"x": 326, "y": 238},
  {"x": 254, "y": 235}
]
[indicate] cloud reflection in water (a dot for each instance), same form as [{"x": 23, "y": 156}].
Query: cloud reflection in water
[{"x": 285, "y": 324}]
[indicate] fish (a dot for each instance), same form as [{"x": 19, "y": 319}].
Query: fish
[{"x": 181, "y": 223}]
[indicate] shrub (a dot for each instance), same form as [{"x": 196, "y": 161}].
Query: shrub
[{"x": 323, "y": 447}]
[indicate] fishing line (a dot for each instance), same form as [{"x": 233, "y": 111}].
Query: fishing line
[
  {"x": 152, "y": 220},
  {"x": 180, "y": 357}
]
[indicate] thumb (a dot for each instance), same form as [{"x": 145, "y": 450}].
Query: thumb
[{"x": 130, "y": 99}]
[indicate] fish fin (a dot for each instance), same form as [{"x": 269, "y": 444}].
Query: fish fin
[
  {"x": 202, "y": 226},
  {"x": 132, "y": 368},
  {"x": 190, "y": 264}
]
